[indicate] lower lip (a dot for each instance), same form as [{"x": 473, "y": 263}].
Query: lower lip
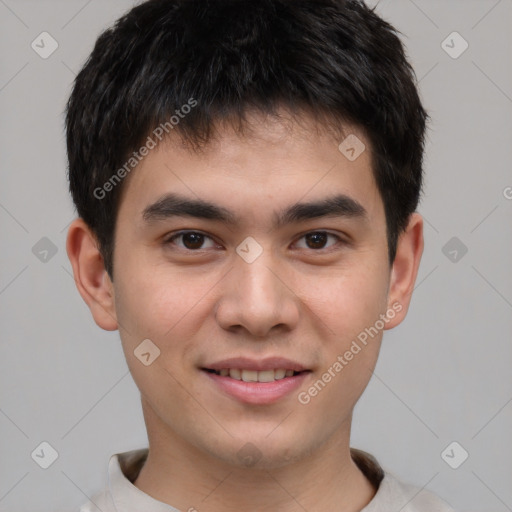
[{"x": 257, "y": 392}]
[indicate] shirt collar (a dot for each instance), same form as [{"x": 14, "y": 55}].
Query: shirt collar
[{"x": 124, "y": 468}]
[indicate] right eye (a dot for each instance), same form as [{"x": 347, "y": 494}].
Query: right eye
[{"x": 191, "y": 240}]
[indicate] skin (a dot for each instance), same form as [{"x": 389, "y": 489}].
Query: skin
[{"x": 302, "y": 301}]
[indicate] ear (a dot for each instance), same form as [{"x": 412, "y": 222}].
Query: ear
[
  {"x": 405, "y": 269},
  {"x": 91, "y": 278}
]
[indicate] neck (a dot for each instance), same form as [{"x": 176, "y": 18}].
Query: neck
[{"x": 187, "y": 478}]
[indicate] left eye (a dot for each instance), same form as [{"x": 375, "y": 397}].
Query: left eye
[
  {"x": 194, "y": 240},
  {"x": 317, "y": 239}
]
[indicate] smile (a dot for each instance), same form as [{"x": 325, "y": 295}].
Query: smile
[
  {"x": 254, "y": 375},
  {"x": 257, "y": 387}
]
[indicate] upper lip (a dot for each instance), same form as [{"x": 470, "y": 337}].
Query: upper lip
[{"x": 245, "y": 363}]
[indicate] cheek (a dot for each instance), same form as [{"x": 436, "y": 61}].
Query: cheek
[
  {"x": 151, "y": 301},
  {"x": 356, "y": 301},
  {"x": 349, "y": 301},
  {"x": 350, "y": 347},
  {"x": 165, "y": 307},
  {"x": 150, "y": 307}
]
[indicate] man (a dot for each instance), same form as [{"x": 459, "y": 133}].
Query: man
[{"x": 246, "y": 176}]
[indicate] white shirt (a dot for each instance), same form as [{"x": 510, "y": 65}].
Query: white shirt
[{"x": 120, "y": 495}]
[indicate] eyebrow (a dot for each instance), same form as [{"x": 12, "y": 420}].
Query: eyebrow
[{"x": 175, "y": 205}]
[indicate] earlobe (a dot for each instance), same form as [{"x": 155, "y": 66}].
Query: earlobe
[
  {"x": 91, "y": 278},
  {"x": 405, "y": 269}
]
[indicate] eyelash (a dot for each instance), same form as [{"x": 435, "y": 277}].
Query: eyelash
[{"x": 170, "y": 240}]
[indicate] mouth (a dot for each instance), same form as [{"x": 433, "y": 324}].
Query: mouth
[
  {"x": 256, "y": 382},
  {"x": 245, "y": 375}
]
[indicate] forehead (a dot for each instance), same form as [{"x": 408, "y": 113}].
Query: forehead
[{"x": 272, "y": 164}]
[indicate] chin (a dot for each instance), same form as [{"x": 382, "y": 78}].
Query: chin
[{"x": 261, "y": 452}]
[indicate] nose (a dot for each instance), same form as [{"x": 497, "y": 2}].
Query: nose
[{"x": 256, "y": 297}]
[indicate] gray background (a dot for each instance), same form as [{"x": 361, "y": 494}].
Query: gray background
[{"x": 443, "y": 375}]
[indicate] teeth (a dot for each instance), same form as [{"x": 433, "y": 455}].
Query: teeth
[
  {"x": 255, "y": 376},
  {"x": 266, "y": 376},
  {"x": 249, "y": 376},
  {"x": 279, "y": 374},
  {"x": 235, "y": 374}
]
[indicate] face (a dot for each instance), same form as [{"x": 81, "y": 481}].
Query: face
[{"x": 264, "y": 315}]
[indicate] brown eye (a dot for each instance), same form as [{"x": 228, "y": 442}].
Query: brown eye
[
  {"x": 191, "y": 240},
  {"x": 317, "y": 239}
]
